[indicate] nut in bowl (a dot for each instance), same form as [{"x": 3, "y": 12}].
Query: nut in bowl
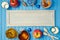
[{"x": 46, "y": 3}]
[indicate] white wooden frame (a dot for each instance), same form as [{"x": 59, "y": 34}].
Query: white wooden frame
[{"x": 30, "y": 18}]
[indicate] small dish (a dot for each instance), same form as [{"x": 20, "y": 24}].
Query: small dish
[
  {"x": 46, "y": 3},
  {"x": 5, "y": 5},
  {"x": 11, "y": 33},
  {"x": 32, "y": 2},
  {"x": 24, "y": 35},
  {"x": 55, "y": 30}
]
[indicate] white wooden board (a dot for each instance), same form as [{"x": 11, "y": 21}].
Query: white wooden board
[{"x": 30, "y": 18}]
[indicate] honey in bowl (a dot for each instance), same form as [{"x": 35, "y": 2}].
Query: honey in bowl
[
  {"x": 24, "y": 35},
  {"x": 11, "y": 33}
]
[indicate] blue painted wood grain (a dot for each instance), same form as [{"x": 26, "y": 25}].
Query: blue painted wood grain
[{"x": 55, "y": 6}]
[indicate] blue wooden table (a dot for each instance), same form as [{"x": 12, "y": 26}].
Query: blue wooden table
[{"x": 55, "y": 6}]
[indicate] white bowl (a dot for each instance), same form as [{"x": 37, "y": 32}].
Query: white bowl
[
  {"x": 5, "y": 5},
  {"x": 55, "y": 30}
]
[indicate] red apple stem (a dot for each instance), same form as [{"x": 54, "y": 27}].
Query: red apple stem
[{"x": 13, "y": 1}]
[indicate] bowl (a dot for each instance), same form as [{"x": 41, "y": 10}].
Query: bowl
[
  {"x": 47, "y": 5},
  {"x": 24, "y": 35}
]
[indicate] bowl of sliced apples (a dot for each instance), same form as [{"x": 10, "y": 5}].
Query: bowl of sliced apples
[{"x": 46, "y": 3}]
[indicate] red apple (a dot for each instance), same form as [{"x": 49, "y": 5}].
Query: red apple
[
  {"x": 14, "y": 3},
  {"x": 37, "y": 33}
]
